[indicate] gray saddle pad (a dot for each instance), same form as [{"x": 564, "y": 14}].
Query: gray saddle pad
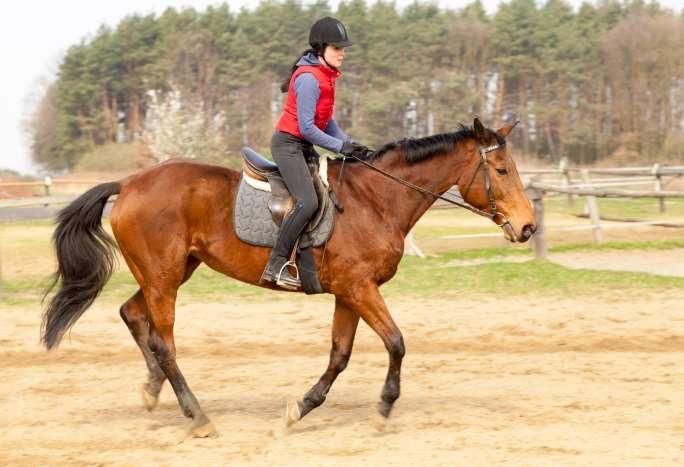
[{"x": 254, "y": 224}]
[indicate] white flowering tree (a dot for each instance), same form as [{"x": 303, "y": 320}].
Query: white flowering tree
[{"x": 177, "y": 126}]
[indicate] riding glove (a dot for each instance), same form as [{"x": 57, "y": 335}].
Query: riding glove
[{"x": 352, "y": 148}]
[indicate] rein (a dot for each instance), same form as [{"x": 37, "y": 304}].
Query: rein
[{"x": 488, "y": 186}]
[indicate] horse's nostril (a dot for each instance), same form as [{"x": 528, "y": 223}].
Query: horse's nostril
[{"x": 528, "y": 230}]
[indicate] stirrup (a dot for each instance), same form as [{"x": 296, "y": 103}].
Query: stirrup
[{"x": 279, "y": 281}]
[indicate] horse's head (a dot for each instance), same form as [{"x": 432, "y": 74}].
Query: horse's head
[{"x": 490, "y": 182}]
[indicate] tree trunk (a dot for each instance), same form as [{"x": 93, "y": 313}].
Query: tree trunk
[
  {"x": 500, "y": 96},
  {"x": 522, "y": 103},
  {"x": 107, "y": 111}
]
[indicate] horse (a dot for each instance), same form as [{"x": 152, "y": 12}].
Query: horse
[{"x": 170, "y": 218}]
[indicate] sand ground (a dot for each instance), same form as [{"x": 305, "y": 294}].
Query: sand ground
[{"x": 486, "y": 381}]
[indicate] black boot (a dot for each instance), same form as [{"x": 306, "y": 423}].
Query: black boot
[
  {"x": 278, "y": 263},
  {"x": 277, "y": 270}
]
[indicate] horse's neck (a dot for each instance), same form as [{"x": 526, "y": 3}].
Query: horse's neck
[{"x": 403, "y": 206}]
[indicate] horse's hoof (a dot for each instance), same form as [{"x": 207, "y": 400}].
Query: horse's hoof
[
  {"x": 384, "y": 408},
  {"x": 379, "y": 417},
  {"x": 377, "y": 421},
  {"x": 207, "y": 430},
  {"x": 149, "y": 400},
  {"x": 293, "y": 413}
]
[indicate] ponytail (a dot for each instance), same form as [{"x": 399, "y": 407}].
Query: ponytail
[{"x": 284, "y": 86}]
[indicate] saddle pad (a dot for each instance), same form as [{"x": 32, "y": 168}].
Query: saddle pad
[{"x": 254, "y": 224}]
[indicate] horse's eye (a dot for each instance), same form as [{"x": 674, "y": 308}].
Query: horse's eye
[{"x": 502, "y": 171}]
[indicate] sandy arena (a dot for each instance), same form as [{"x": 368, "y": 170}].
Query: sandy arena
[{"x": 486, "y": 381}]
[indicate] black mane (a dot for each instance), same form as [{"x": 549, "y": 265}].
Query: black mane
[{"x": 418, "y": 149}]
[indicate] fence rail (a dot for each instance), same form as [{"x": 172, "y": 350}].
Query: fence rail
[
  {"x": 570, "y": 181},
  {"x": 537, "y": 191},
  {"x": 606, "y": 193}
]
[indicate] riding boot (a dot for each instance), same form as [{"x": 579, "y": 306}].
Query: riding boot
[{"x": 277, "y": 268}]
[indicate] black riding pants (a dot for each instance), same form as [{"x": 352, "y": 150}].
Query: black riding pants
[{"x": 291, "y": 154}]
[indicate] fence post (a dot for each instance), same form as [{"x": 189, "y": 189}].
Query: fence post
[
  {"x": 565, "y": 182},
  {"x": 410, "y": 247},
  {"x": 47, "y": 183},
  {"x": 658, "y": 185},
  {"x": 592, "y": 207},
  {"x": 539, "y": 238}
]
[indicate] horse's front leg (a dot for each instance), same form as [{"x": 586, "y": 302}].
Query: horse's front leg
[
  {"x": 369, "y": 304},
  {"x": 344, "y": 326}
]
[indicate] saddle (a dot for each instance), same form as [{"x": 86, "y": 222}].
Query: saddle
[
  {"x": 265, "y": 173},
  {"x": 262, "y": 203}
]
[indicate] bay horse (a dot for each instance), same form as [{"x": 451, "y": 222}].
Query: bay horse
[{"x": 170, "y": 218}]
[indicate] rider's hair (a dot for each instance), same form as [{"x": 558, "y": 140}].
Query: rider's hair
[{"x": 318, "y": 49}]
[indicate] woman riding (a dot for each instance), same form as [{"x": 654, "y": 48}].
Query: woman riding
[{"x": 307, "y": 121}]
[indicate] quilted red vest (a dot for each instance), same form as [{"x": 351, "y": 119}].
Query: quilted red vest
[{"x": 326, "y": 101}]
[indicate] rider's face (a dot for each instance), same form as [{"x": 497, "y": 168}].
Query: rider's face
[{"x": 334, "y": 55}]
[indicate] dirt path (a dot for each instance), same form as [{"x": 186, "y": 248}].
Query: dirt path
[
  {"x": 662, "y": 262},
  {"x": 529, "y": 381}
]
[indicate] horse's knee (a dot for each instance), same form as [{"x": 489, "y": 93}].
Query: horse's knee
[
  {"x": 395, "y": 346},
  {"x": 339, "y": 361},
  {"x": 124, "y": 313},
  {"x": 131, "y": 313}
]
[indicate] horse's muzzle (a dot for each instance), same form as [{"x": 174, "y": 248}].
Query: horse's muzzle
[{"x": 527, "y": 232}]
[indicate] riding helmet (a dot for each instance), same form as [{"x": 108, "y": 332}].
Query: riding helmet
[{"x": 329, "y": 31}]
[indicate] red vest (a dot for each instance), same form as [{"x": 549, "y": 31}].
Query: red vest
[{"x": 324, "y": 107}]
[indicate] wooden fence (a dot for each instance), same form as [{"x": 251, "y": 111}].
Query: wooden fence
[
  {"x": 567, "y": 181},
  {"x": 656, "y": 175},
  {"x": 573, "y": 182},
  {"x": 592, "y": 188}
]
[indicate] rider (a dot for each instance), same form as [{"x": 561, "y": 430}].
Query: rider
[{"x": 307, "y": 120}]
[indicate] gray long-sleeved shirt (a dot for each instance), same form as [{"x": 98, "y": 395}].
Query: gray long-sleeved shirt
[{"x": 307, "y": 93}]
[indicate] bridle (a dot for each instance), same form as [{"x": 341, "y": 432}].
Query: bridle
[
  {"x": 488, "y": 182},
  {"x": 493, "y": 215}
]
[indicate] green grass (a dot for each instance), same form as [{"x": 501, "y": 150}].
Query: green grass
[
  {"x": 437, "y": 276},
  {"x": 206, "y": 285},
  {"x": 641, "y": 208},
  {"x": 666, "y": 244},
  {"x": 508, "y": 250}
]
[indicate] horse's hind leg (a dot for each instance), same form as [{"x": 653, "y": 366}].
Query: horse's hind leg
[
  {"x": 135, "y": 315},
  {"x": 344, "y": 326},
  {"x": 161, "y": 303}
]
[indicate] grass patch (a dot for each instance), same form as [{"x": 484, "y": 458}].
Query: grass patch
[
  {"x": 645, "y": 245},
  {"x": 486, "y": 253},
  {"x": 640, "y": 208},
  {"x": 437, "y": 276},
  {"x": 524, "y": 250}
]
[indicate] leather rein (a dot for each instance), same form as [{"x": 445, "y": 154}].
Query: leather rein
[{"x": 493, "y": 215}]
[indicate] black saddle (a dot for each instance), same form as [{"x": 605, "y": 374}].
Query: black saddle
[{"x": 257, "y": 162}]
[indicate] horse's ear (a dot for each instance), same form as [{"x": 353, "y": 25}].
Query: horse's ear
[
  {"x": 505, "y": 130},
  {"x": 480, "y": 131}
]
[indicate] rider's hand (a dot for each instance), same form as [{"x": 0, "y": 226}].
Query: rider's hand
[
  {"x": 347, "y": 147},
  {"x": 352, "y": 148}
]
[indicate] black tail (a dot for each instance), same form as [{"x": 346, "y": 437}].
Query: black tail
[{"x": 85, "y": 257}]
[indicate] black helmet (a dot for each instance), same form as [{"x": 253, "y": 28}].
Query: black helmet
[{"x": 329, "y": 31}]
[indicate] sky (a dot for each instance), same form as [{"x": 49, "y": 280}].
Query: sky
[{"x": 34, "y": 34}]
